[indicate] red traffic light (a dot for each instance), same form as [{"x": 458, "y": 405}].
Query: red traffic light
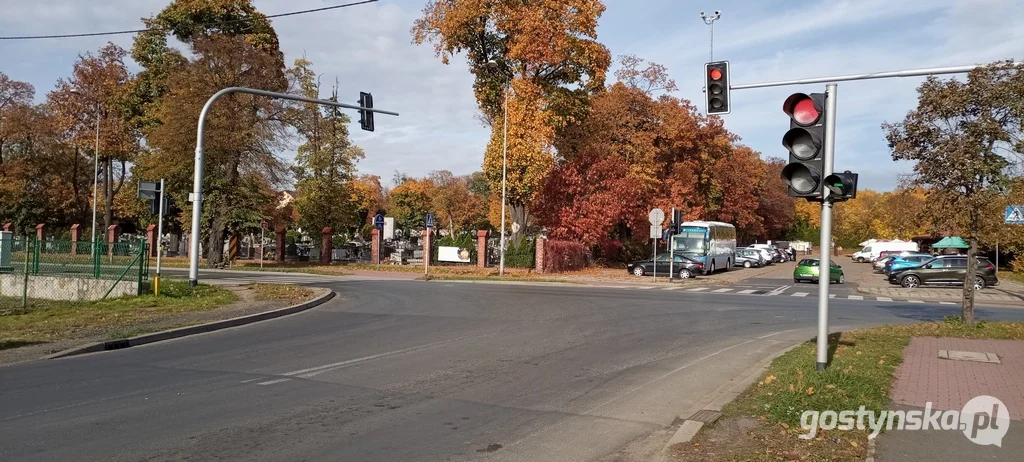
[
  {"x": 716, "y": 74},
  {"x": 802, "y": 109}
]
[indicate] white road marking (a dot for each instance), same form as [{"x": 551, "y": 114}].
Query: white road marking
[
  {"x": 884, "y": 299},
  {"x": 271, "y": 382},
  {"x": 831, "y": 295},
  {"x": 855, "y": 297},
  {"x": 718, "y": 291},
  {"x": 800, "y": 294},
  {"x": 748, "y": 291},
  {"x": 644, "y": 287},
  {"x": 947, "y": 303},
  {"x": 247, "y": 381},
  {"x": 672, "y": 288},
  {"x": 778, "y": 290},
  {"x": 697, "y": 289},
  {"x": 915, "y": 301}
]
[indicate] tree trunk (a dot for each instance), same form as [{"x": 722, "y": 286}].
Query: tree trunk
[
  {"x": 967, "y": 306},
  {"x": 518, "y": 213}
]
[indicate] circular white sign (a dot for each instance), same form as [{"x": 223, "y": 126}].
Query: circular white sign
[
  {"x": 657, "y": 216},
  {"x": 515, "y": 227}
]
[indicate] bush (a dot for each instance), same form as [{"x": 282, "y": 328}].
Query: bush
[
  {"x": 633, "y": 250},
  {"x": 609, "y": 250},
  {"x": 522, "y": 255},
  {"x": 561, "y": 256}
]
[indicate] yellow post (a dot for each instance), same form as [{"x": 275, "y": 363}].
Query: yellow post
[{"x": 156, "y": 285}]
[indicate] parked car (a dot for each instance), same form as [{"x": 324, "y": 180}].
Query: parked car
[
  {"x": 683, "y": 267},
  {"x": 765, "y": 251},
  {"x": 907, "y": 261},
  {"x": 747, "y": 258},
  {"x": 807, "y": 270},
  {"x": 945, "y": 270}
]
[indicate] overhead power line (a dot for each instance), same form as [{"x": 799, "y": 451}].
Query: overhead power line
[{"x": 136, "y": 31}]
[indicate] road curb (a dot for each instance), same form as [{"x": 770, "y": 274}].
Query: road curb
[
  {"x": 690, "y": 428},
  {"x": 193, "y": 330}
]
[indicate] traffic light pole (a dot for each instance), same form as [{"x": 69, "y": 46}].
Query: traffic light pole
[
  {"x": 825, "y": 243},
  {"x": 196, "y": 196}
]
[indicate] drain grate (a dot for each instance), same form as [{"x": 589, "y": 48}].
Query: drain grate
[
  {"x": 976, "y": 356},
  {"x": 706, "y": 416}
]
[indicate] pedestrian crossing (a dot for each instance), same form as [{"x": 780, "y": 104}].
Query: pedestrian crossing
[{"x": 780, "y": 291}]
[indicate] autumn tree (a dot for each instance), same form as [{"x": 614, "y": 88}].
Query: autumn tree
[
  {"x": 546, "y": 52},
  {"x": 960, "y": 137},
  {"x": 96, "y": 93},
  {"x": 325, "y": 163},
  {"x": 457, "y": 208},
  {"x": 774, "y": 206},
  {"x": 368, "y": 198},
  {"x": 410, "y": 202},
  {"x": 243, "y": 133}
]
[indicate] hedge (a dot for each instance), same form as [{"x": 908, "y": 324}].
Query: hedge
[{"x": 522, "y": 255}]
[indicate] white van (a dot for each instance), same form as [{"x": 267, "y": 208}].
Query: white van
[
  {"x": 765, "y": 251},
  {"x": 871, "y": 251}
]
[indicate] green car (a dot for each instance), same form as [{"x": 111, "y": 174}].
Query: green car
[{"x": 807, "y": 270}]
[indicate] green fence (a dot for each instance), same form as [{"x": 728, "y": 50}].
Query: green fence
[{"x": 126, "y": 261}]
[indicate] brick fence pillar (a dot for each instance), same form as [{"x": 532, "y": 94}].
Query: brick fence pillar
[
  {"x": 326, "y": 245},
  {"x": 540, "y": 255},
  {"x": 481, "y": 248},
  {"x": 113, "y": 231},
  {"x": 39, "y": 231},
  {"x": 427, "y": 247},
  {"x": 279, "y": 250},
  {"x": 74, "y": 238},
  {"x": 151, "y": 239},
  {"x": 375, "y": 246}
]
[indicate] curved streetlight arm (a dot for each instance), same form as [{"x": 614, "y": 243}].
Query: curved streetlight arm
[{"x": 197, "y": 186}]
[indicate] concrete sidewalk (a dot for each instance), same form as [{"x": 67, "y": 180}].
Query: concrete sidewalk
[
  {"x": 952, "y": 294},
  {"x": 949, "y": 384}
]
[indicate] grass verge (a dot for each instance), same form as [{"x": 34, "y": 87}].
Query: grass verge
[
  {"x": 493, "y": 277},
  {"x": 285, "y": 292},
  {"x": 763, "y": 423},
  {"x": 48, "y": 320}
]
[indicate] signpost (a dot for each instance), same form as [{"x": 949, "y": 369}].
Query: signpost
[
  {"x": 656, "y": 217},
  {"x": 378, "y": 222},
  {"x": 154, "y": 191},
  {"x": 263, "y": 228},
  {"x": 426, "y": 243}
]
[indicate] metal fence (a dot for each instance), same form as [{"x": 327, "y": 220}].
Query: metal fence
[{"x": 68, "y": 270}]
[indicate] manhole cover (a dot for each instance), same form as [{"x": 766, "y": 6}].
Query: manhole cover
[
  {"x": 706, "y": 416},
  {"x": 976, "y": 356}
]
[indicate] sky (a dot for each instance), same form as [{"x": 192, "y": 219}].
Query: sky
[{"x": 369, "y": 48}]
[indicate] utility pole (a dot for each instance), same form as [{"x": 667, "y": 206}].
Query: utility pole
[{"x": 825, "y": 262}]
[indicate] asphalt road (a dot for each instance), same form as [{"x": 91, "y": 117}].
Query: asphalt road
[{"x": 412, "y": 370}]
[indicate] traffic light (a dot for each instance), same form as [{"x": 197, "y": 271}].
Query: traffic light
[
  {"x": 804, "y": 141},
  {"x": 841, "y": 186},
  {"x": 366, "y": 117},
  {"x": 716, "y": 87}
]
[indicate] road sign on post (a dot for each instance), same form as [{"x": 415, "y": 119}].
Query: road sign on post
[
  {"x": 264, "y": 224},
  {"x": 378, "y": 221},
  {"x": 430, "y": 220},
  {"x": 656, "y": 217}
]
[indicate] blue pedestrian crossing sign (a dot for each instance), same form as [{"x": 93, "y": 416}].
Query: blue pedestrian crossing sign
[
  {"x": 378, "y": 221},
  {"x": 430, "y": 220},
  {"x": 1015, "y": 214}
]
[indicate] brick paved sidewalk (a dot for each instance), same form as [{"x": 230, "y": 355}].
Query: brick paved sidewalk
[
  {"x": 947, "y": 294},
  {"x": 949, "y": 384}
]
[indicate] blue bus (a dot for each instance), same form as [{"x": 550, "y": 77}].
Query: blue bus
[{"x": 712, "y": 243}]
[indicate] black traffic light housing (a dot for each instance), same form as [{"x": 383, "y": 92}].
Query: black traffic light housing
[
  {"x": 716, "y": 87},
  {"x": 804, "y": 141},
  {"x": 841, "y": 186},
  {"x": 366, "y": 117}
]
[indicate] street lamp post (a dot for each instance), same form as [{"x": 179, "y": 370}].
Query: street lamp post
[{"x": 504, "y": 169}]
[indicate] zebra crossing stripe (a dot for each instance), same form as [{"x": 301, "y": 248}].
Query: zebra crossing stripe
[
  {"x": 697, "y": 289},
  {"x": 947, "y": 303},
  {"x": 671, "y": 288},
  {"x": 831, "y": 295},
  {"x": 800, "y": 294},
  {"x": 915, "y": 301},
  {"x": 884, "y": 299},
  {"x": 855, "y": 297},
  {"x": 748, "y": 291},
  {"x": 718, "y": 291}
]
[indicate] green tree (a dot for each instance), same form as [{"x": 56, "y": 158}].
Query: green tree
[
  {"x": 959, "y": 138},
  {"x": 325, "y": 163}
]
